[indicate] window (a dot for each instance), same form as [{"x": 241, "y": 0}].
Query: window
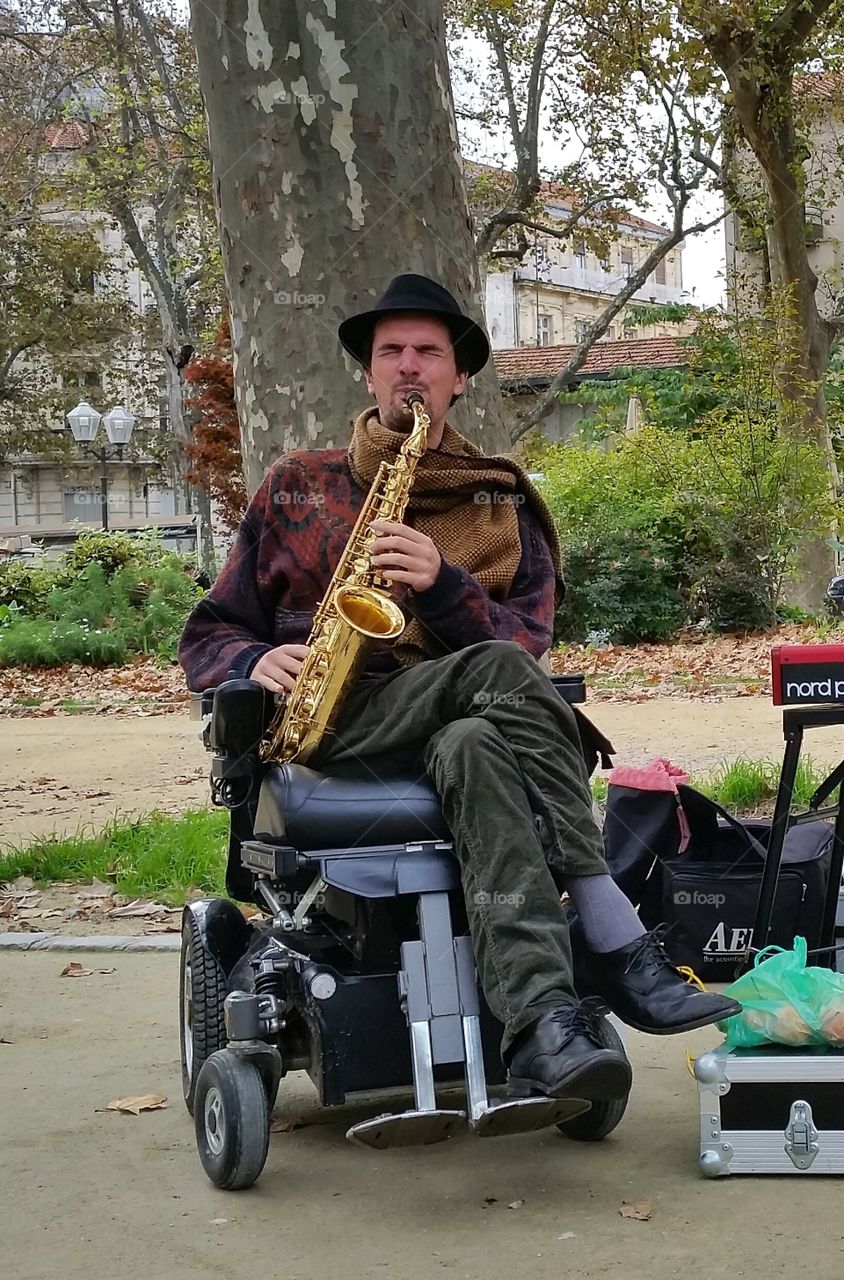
[
  {"x": 544, "y": 331},
  {"x": 627, "y": 263},
  {"x": 83, "y": 504},
  {"x": 660, "y": 272},
  {"x": 578, "y": 252},
  {"x": 581, "y": 328}
]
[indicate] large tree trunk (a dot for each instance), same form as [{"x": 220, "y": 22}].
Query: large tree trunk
[
  {"x": 773, "y": 141},
  {"x": 336, "y": 164}
]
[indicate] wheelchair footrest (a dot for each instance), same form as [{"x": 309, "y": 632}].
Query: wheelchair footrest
[
  {"x": 524, "y": 1115},
  {"x": 406, "y": 1129}
]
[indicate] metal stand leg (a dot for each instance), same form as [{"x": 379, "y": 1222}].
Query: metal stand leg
[
  {"x": 779, "y": 826},
  {"x": 836, "y": 864}
]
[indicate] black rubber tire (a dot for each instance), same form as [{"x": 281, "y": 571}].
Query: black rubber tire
[
  {"x": 231, "y": 1120},
  {"x": 204, "y": 989},
  {"x": 604, "y": 1114}
]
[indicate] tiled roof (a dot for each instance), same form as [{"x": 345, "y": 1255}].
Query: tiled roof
[
  {"x": 820, "y": 86},
  {"x": 67, "y": 135},
  {"x": 566, "y": 197},
  {"x": 516, "y": 363}
]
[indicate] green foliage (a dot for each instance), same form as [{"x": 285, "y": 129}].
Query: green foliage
[
  {"x": 625, "y": 586},
  {"x": 25, "y": 585},
  {"x": 109, "y": 597},
  {"x": 701, "y": 513},
  {"x": 662, "y": 529}
]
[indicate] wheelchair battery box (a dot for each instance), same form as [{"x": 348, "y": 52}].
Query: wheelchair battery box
[{"x": 771, "y": 1110}]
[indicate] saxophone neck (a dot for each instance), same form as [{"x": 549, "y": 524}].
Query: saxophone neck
[{"x": 417, "y": 440}]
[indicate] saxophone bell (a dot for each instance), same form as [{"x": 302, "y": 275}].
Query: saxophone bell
[{"x": 369, "y": 612}]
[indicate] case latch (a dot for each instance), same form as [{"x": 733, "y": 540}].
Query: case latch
[{"x": 802, "y": 1144}]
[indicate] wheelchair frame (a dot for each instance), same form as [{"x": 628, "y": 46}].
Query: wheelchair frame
[{"x": 292, "y": 991}]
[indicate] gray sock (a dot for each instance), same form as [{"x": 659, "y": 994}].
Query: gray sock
[{"x": 608, "y": 916}]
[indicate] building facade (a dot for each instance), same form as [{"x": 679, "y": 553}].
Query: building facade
[{"x": 557, "y": 292}]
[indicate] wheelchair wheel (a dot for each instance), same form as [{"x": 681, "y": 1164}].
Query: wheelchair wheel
[
  {"x": 202, "y": 992},
  {"x": 231, "y": 1120},
  {"x": 604, "y": 1114}
]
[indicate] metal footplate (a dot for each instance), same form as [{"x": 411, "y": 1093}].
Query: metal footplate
[{"x": 439, "y": 992}]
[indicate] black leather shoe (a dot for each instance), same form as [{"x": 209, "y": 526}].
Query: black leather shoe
[
  {"x": 644, "y": 989},
  {"x": 560, "y": 1056}
]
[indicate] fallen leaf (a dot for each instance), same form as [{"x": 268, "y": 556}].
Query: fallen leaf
[
  {"x": 134, "y": 1106},
  {"x": 7, "y": 908},
  {"x": 163, "y": 928},
  {"x": 139, "y": 908},
  {"x": 515, "y": 1204},
  {"x": 73, "y": 969},
  {"x": 23, "y": 884},
  {"x": 96, "y": 889},
  {"x": 112, "y": 970},
  {"x": 286, "y": 1124},
  {"x": 490, "y": 1200},
  {"x": 639, "y": 1212}
]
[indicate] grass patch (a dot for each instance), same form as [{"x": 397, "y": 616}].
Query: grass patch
[
  {"x": 157, "y": 857},
  {"x": 745, "y": 786}
]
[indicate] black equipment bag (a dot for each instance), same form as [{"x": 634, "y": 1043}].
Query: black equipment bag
[{"x": 707, "y": 894}]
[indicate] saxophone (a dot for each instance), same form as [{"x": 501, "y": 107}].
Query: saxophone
[{"x": 355, "y": 611}]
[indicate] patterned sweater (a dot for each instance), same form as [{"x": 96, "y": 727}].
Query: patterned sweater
[{"x": 287, "y": 547}]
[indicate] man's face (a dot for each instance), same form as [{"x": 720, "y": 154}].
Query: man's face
[{"x": 413, "y": 353}]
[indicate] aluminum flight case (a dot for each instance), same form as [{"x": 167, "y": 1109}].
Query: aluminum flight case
[
  {"x": 777, "y": 1109},
  {"x": 771, "y": 1110}
]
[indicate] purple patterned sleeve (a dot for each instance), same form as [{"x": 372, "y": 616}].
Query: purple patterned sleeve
[
  {"x": 459, "y": 612},
  {"x": 232, "y": 626}
]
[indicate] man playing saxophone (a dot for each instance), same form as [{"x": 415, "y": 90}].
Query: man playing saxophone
[{"x": 475, "y": 564}]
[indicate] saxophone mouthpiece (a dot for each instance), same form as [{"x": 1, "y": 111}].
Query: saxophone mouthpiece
[{"x": 414, "y": 398}]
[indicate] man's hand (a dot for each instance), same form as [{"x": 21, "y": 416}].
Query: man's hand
[
  {"x": 403, "y": 554},
  {"x": 278, "y": 669}
]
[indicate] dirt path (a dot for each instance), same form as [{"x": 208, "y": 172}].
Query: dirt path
[
  {"x": 65, "y": 771},
  {"x": 87, "y": 1190}
]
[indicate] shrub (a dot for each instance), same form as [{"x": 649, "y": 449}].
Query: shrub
[
  {"x": 26, "y": 585},
  {"x": 624, "y": 586},
  {"x": 110, "y": 597},
  {"x": 659, "y": 529}
]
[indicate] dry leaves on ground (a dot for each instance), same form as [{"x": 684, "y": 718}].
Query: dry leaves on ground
[
  {"x": 694, "y": 666},
  {"x": 135, "y": 1105},
  {"x": 139, "y": 688},
  {"x": 642, "y": 1211}
]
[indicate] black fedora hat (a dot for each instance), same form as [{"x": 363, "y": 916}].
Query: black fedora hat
[{"x": 418, "y": 293}]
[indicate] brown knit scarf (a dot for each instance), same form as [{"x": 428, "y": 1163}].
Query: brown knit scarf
[{"x": 465, "y": 503}]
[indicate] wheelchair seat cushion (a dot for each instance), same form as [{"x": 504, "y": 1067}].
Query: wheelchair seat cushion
[{"x": 313, "y": 810}]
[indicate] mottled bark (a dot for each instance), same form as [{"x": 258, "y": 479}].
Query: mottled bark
[{"x": 336, "y": 166}]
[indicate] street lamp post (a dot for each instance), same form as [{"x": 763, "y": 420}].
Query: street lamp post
[{"x": 84, "y": 424}]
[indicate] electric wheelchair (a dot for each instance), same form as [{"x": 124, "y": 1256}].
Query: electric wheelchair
[{"x": 359, "y": 969}]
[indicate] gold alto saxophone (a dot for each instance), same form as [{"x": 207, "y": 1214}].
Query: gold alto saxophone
[{"x": 355, "y": 611}]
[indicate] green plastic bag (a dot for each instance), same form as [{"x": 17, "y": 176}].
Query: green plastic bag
[{"x": 786, "y": 1001}]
